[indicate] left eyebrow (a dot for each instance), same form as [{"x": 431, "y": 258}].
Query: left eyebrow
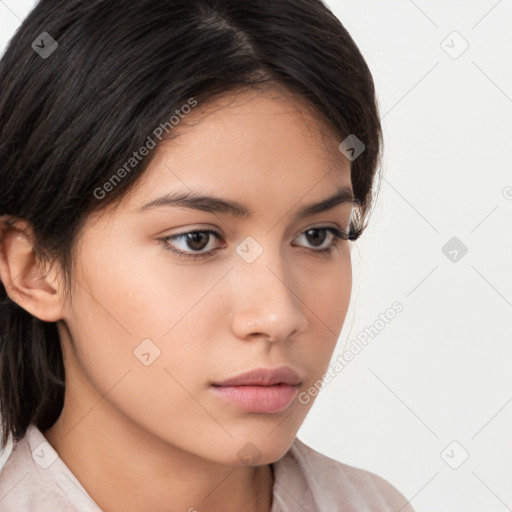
[{"x": 212, "y": 204}]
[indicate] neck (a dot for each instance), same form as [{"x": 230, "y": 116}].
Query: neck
[{"x": 125, "y": 469}]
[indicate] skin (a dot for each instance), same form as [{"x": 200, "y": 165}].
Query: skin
[{"x": 126, "y": 429}]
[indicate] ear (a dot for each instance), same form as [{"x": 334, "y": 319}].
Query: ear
[{"x": 22, "y": 276}]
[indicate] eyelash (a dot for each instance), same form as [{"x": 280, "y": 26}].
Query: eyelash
[{"x": 338, "y": 236}]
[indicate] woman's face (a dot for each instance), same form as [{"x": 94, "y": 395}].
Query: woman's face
[{"x": 151, "y": 331}]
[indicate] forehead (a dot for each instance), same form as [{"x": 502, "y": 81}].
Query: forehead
[{"x": 251, "y": 137}]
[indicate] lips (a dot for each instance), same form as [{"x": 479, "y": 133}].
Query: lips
[
  {"x": 263, "y": 377},
  {"x": 261, "y": 390}
]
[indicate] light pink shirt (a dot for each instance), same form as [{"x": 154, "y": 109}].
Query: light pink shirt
[{"x": 33, "y": 478}]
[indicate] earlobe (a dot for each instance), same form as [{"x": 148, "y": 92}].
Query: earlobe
[{"x": 22, "y": 276}]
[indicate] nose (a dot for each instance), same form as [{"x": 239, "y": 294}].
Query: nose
[{"x": 266, "y": 301}]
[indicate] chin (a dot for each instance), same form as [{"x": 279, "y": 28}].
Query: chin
[{"x": 258, "y": 450}]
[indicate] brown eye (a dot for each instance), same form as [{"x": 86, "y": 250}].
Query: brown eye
[
  {"x": 197, "y": 240},
  {"x": 191, "y": 242},
  {"x": 317, "y": 237}
]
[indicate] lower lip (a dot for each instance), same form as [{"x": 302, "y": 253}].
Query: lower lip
[{"x": 262, "y": 399}]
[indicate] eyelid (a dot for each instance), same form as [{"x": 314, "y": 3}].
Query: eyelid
[
  {"x": 338, "y": 235},
  {"x": 218, "y": 232}
]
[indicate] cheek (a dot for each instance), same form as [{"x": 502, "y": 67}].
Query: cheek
[
  {"x": 327, "y": 291},
  {"x": 142, "y": 310},
  {"x": 326, "y": 297},
  {"x": 121, "y": 350},
  {"x": 139, "y": 293}
]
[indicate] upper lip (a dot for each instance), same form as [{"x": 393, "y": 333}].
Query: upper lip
[{"x": 263, "y": 377}]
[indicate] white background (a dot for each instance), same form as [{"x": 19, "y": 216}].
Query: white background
[{"x": 440, "y": 371}]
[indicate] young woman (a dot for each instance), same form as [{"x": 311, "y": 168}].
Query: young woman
[{"x": 181, "y": 181}]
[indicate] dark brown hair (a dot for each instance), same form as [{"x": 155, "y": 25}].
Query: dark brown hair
[{"x": 118, "y": 70}]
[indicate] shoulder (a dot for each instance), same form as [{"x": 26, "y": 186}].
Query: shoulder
[
  {"x": 27, "y": 485},
  {"x": 329, "y": 484}
]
